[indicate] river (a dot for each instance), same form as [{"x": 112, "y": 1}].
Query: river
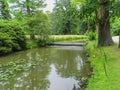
[{"x": 56, "y": 68}]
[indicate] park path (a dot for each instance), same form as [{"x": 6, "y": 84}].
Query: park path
[
  {"x": 115, "y": 39},
  {"x": 68, "y": 44}
]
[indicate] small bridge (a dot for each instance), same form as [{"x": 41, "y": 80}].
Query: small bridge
[{"x": 67, "y": 44}]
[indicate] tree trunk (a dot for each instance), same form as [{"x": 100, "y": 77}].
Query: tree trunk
[
  {"x": 68, "y": 27},
  {"x": 103, "y": 25},
  {"x": 32, "y": 36},
  {"x": 28, "y": 7}
]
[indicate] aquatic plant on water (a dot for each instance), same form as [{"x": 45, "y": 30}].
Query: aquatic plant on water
[{"x": 10, "y": 69}]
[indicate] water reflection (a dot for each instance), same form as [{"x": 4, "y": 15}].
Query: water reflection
[
  {"x": 57, "y": 69},
  {"x": 57, "y": 81}
]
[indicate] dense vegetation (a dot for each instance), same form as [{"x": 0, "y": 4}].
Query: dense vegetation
[
  {"x": 12, "y": 37},
  {"x": 77, "y": 17},
  {"x": 92, "y": 19}
]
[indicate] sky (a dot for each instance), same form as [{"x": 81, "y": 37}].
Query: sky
[{"x": 50, "y": 5}]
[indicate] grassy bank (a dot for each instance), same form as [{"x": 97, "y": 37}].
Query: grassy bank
[
  {"x": 106, "y": 68},
  {"x": 57, "y": 38},
  {"x": 64, "y": 38},
  {"x": 68, "y": 38}
]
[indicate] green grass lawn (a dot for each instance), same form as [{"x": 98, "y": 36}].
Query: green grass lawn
[
  {"x": 57, "y": 38},
  {"x": 68, "y": 38},
  {"x": 99, "y": 81},
  {"x": 64, "y": 38}
]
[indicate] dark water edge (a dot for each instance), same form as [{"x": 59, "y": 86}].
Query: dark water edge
[
  {"x": 69, "y": 69},
  {"x": 90, "y": 73}
]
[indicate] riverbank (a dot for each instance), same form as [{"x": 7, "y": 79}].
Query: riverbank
[
  {"x": 58, "y": 39},
  {"x": 106, "y": 68}
]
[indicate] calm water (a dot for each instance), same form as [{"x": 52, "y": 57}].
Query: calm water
[{"x": 58, "y": 69}]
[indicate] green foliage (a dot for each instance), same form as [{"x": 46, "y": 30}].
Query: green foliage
[
  {"x": 80, "y": 14},
  {"x": 57, "y": 22},
  {"x": 23, "y": 8},
  {"x": 92, "y": 36},
  {"x": 5, "y": 50},
  {"x": 41, "y": 42},
  {"x": 99, "y": 81},
  {"x": 43, "y": 37},
  {"x": 64, "y": 18},
  {"x": 5, "y": 43},
  {"x": 115, "y": 26},
  {"x": 31, "y": 44},
  {"x": 4, "y": 10},
  {"x": 115, "y": 8},
  {"x": 39, "y": 25},
  {"x": 12, "y": 37}
]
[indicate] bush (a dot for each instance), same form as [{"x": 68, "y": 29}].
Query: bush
[
  {"x": 42, "y": 40},
  {"x": 5, "y": 50},
  {"x": 92, "y": 36},
  {"x": 31, "y": 44},
  {"x": 12, "y": 37},
  {"x": 18, "y": 36},
  {"x": 5, "y": 43},
  {"x": 115, "y": 27}
]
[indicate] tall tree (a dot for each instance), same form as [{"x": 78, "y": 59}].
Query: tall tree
[
  {"x": 63, "y": 6},
  {"x": 101, "y": 10},
  {"x": 31, "y": 7},
  {"x": 39, "y": 24},
  {"x": 28, "y": 8},
  {"x": 4, "y": 8},
  {"x": 66, "y": 18},
  {"x": 103, "y": 24},
  {"x": 32, "y": 36}
]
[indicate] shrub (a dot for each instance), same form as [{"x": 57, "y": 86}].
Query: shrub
[
  {"x": 5, "y": 50},
  {"x": 5, "y": 43},
  {"x": 31, "y": 44},
  {"x": 42, "y": 40},
  {"x": 92, "y": 36},
  {"x": 18, "y": 37},
  {"x": 12, "y": 37}
]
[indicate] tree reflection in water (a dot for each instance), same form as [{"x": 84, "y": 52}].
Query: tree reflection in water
[{"x": 57, "y": 69}]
